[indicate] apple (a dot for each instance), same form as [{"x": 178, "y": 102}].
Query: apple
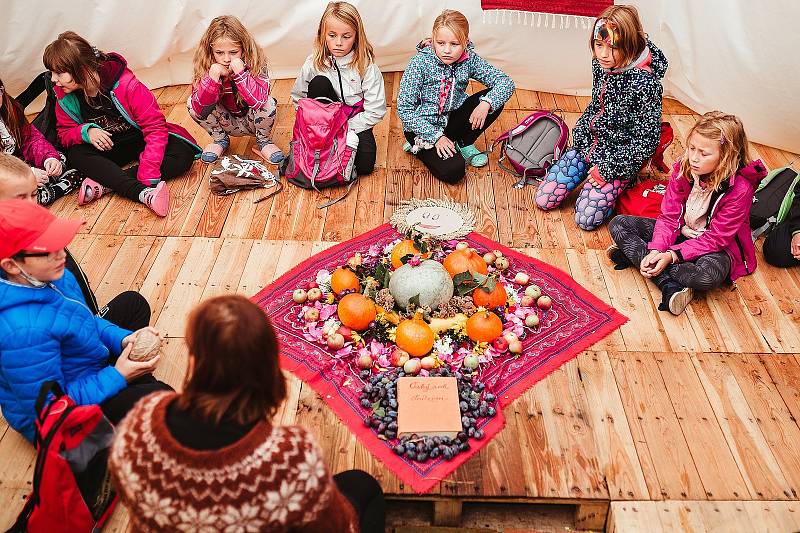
[
  {"x": 544, "y": 303},
  {"x": 510, "y": 336},
  {"x": 500, "y": 344},
  {"x": 428, "y": 362},
  {"x": 527, "y": 301},
  {"x": 345, "y": 332},
  {"x": 312, "y": 285},
  {"x": 532, "y": 321},
  {"x": 299, "y": 296},
  {"x": 335, "y": 341},
  {"x": 497, "y": 253},
  {"x": 501, "y": 263},
  {"x": 471, "y": 362},
  {"x": 364, "y": 361},
  {"x": 463, "y": 245},
  {"x": 515, "y": 347},
  {"x": 314, "y": 294},
  {"x": 522, "y": 278},
  {"x": 399, "y": 357},
  {"x": 312, "y": 314},
  {"x": 489, "y": 257},
  {"x": 412, "y": 366},
  {"x": 533, "y": 291},
  {"x": 355, "y": 261}
]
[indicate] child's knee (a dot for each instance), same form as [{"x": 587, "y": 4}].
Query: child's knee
[{"x": 589, "y": 217}]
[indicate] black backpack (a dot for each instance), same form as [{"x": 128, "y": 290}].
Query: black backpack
[
  {"x": 772, "y": 199},
  {"x": 45, "y": 121}
]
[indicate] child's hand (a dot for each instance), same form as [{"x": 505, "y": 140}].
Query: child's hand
[
  {"x": 131, "y": 370},
  {"x": 217, "y": 72},
  {"x": 100, "y": 139},
  {"x": 132, "y": 337},
  {"x": 795, "y": 246},
  {"x": 445, "y": 147},
  {"x": 53, "y": 167},
  {"x": 40, "y": 175},
  {"x": 237, "y": 65},
  {"x": 478, "y": 116},
  {"x": 654, "y": 263}
]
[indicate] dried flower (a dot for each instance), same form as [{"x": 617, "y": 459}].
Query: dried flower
[{"x": 385, "y": 299}]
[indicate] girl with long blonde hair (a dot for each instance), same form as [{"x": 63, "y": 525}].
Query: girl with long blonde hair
[
  {"x": 231, "y": 90},
  {"x": 702, "y": 237},
  {"x": 342, "y": 68}
]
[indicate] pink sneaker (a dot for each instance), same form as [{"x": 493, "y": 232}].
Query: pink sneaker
[
  {"x": 89, "y": 191},
  {"x": 157, "y": 199}
]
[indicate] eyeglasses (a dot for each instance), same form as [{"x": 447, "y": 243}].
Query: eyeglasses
[{"x": 52, "y": 256}]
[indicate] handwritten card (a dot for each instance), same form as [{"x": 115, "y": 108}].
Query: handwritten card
[{"x": 428, "y": 407}]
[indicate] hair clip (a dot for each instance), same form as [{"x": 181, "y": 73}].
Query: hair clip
[
  {"x": 721, "y": 138},
  {"x": 96, "y": 52}
]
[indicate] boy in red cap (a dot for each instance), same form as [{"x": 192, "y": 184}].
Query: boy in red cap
[{"x": 48, "y": 333}]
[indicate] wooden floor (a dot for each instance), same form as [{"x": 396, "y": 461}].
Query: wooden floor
[{"x": 676, "y": 410}]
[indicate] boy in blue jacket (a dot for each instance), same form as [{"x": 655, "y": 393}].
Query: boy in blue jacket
[{"x": 47, "y": 332}]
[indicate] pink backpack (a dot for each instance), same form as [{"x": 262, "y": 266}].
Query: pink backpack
[
  {"x": 318, "y": 154},
  {"x": 533, "y": 145}
]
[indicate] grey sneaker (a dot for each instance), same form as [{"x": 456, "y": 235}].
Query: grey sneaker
[{"x": 679, "y": 300}]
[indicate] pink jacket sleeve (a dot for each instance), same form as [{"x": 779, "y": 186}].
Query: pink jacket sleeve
[
  {"x": 145, "y": 113},
  {"x": 205, "y": 92},
  {"x": 254, "y": 90},
  {"x": 668, "y": 223},
  {"x": 35, "y": 148}
]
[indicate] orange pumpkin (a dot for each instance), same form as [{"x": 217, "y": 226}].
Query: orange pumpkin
[
  {"x": 495, "y": 298},
  {"x": 356, "y": 311},
  {"x": 484, "y": 326},
  {"x": 343, "y": 279},
  {"x": 402, "y": 249},
  {"x": 414, "y": 336},
  {"x": 460, "y": 261}
]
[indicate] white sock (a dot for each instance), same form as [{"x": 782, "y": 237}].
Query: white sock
[{"x": 143, "y": 194}]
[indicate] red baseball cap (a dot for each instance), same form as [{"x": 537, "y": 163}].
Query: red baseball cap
[{"x": 26, "y": 226}]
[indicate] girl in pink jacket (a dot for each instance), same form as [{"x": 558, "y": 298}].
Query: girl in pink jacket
[
  {"x": 230, "y": 90},
  {"x": 20, "y": 138},
  {"x": 702, "y": 236},
  {"x": 107, "y": 119}
]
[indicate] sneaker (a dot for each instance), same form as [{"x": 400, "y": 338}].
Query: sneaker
[
  {"x": 474, "y": 157},
  {"x": 679, "y": 300},
  {"x": 157, "y": 199},
  {"x": 620, "y": 260},
  {"x": 407, "y": 147},
  {"x": 213, "y": 150},
  {"x": 89, "y": 191}
]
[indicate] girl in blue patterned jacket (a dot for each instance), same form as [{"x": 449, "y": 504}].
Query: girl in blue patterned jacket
[
  {"x": 620, "y": 128},
  {"x": 440, "y": 121}
]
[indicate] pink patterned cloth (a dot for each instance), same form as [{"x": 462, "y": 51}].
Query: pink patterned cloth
[{"x": 586, "y": 8}]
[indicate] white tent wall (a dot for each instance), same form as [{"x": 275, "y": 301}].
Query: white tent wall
[{"x": 739, "y": 56}]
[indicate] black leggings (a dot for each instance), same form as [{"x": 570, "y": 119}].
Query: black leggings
[
  {"x": 367, "y": 151},
  {"x": 104, "y": 167},
  {"x": 459, "y": 130},
  {"x": 129, "y": 310},
  {"x": 777, "y": 247},
  {"x": 633, "y": 234},
  {"x": 366, "y": 495}
]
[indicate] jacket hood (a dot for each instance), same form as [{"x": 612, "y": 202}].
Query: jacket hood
[
  {"x": 111, "y": 69},
  {"x": 425, "y": 46},
  {"x": 753, "y": 173},
  {"x": 651, "y": 59},
  {"x": 13, "y": 294}
]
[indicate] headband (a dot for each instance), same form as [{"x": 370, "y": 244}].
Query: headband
[{"x": 606, "y": 31}]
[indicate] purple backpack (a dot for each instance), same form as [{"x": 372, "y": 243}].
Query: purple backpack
[
  {"x": 532, "y": 146},
  {"x": 318, "y": 153}
]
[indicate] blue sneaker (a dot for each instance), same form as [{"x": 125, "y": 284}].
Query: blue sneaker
[
  {"x": 474, "y": 157},
  {"x": 210, "y": 153}
]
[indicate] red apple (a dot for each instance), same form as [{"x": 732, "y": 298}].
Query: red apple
[
  {"x": 428, "y": 362},
  {"x": 544, "y": 303},
  {"x": 299, "y": 296},
  {"x": 510, "y": 337},
  {"x": 527, "y": 301},
  {"x": 399, "y": 357},
  {"x": 312, "y": 285},
  {"x": 412, "y": 366},
  {"x": 500, "y": 344},
  {"x": 515, "y": 347},
  {"x": 312, "y": 314},
  {"x": 335, "y": 341},
  {"x": 364, "y": 361},
  {"x": 471, "y": 362},
  {"x": 345, "y": 332},
  {"x": 314, "y": 294},
  {"x": 533, "y": 291}
]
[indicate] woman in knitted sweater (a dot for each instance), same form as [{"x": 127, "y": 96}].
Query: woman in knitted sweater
[{"x": 210, "y": 459}]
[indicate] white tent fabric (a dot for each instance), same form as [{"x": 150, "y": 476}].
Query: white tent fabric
[{"x": 735, "y": 55}]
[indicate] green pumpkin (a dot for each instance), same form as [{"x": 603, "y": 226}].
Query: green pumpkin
[{"x": 429, "y": 280}]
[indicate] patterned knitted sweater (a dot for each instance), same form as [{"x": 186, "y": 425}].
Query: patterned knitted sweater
[{"x": 273, "y": 479}]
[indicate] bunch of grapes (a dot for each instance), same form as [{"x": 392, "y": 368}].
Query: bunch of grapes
[{"x": 380, "y": 395}]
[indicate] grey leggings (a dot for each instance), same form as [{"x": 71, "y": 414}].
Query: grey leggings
[{"x": 633, "y": 234}]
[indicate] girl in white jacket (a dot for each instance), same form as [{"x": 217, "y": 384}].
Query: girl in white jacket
[{"x": 342, "y": 68}]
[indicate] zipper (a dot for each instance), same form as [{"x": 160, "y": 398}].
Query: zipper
[
  {"x": 591, "y": 122},
  {"x": 741, "y": 254}
]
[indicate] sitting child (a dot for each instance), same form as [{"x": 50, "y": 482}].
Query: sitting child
[
  {"x": 702, "y": 236},
  {"x": 47, "y": 333},
  {"x": 230, "y": 90},
  {"x": 440, "y": 120},
  {"x": 342, "y": 68},
  {"x": 782, "y": 245}
]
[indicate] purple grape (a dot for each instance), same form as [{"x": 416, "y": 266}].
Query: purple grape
[{"x": 399, "y": 449}]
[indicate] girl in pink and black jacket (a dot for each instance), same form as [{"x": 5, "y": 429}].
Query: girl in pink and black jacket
[
  {"x": 230, "y": 91},
  {"x": 702, "y": 237},
  {"x": 106, "y": 118}
]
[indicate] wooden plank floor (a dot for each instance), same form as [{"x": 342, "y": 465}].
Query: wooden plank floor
[{"x": 697, "y": 408}]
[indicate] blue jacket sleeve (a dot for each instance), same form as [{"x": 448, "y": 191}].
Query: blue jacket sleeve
[
  {"x": 111, "y": 335},
  {"x": 409, "y": 99},
  {"x": 500, "y": 84}
]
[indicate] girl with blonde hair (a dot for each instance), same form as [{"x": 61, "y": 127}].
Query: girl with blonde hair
[
  {"x": 702, "y": 237},
  {"x": 230, "y": 90},
  {"x": 342, "y": 68},
  {"x": 440, "y": 120}
]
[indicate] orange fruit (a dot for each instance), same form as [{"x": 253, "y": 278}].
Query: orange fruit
[
  {"x": 495, "y": 298},
  {"x": 343, "y": 279},
  {"x": 460, "y": 261},
  {"x": 414, "y": 336},
  {"x": 356, "y": 311},
  {"x": 402, "y": 249},
  {"x": 484, "y": 326}
]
